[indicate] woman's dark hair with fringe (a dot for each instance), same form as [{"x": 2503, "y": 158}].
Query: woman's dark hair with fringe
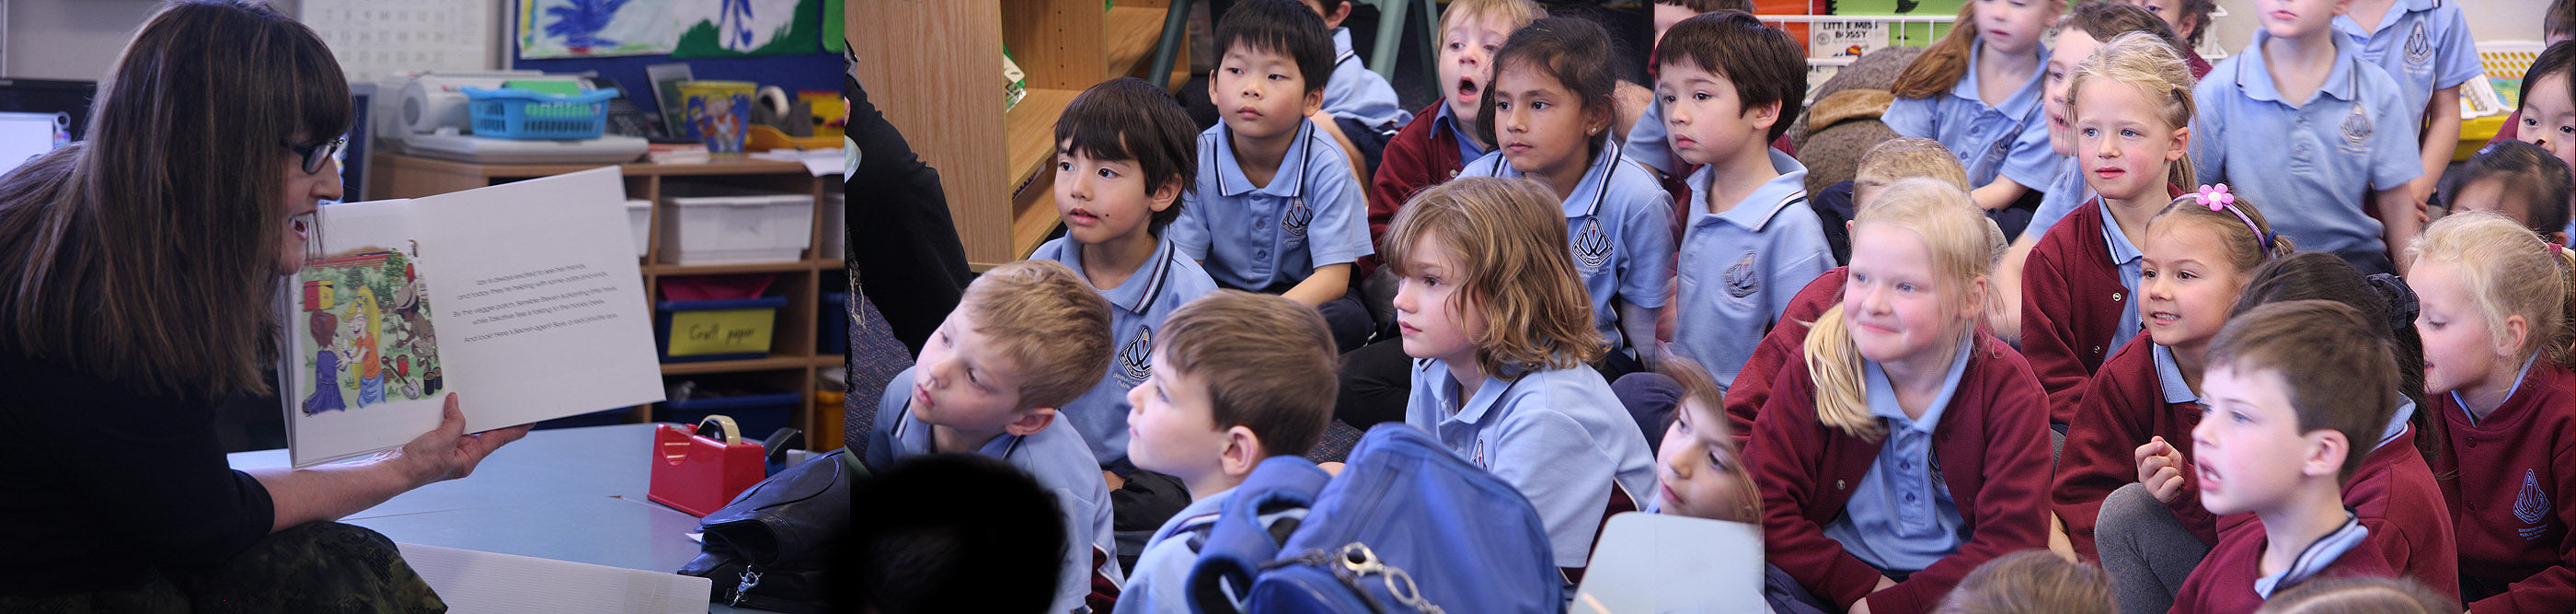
[
  {"x": 1573, "y": 52},
  {"x": 148, "y": 254}
]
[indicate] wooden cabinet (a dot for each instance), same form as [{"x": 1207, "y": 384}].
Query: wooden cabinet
[
  {"x": 793, "y": 363},
  {"x": 934, "y": 67}
]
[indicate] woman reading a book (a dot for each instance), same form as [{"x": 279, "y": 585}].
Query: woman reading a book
[{"x": 138, "y": 289}]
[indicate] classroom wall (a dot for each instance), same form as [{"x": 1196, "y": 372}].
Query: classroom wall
[
  {"x": 2488, "y": 20},
  {"x": 67, "y": 39}
]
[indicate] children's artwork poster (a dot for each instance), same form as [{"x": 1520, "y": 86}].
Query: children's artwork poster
[
  {"x": 737, "y": 28},
  {"x": 550, "y": 29},
  {"x": 363, "y": 335},
  {"x": 1846, "y": 39}
]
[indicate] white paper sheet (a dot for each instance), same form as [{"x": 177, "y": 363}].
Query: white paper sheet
[
  {"x": 473, "y": 582},
  {"x": 1663, "y": 563}
]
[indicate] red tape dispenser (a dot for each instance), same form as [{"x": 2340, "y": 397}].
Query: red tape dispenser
[{"x": 698, "y": 474}]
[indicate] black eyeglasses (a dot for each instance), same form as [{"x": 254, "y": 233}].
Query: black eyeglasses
[{"x": 318, "y": 154}]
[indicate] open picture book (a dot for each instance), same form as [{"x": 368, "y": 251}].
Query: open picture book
[{"x": 524, "y": 299}]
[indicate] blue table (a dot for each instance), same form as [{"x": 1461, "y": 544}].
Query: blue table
[{"x": 567, "y": 494}]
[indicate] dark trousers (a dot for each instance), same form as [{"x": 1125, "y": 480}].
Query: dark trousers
[{"x": 315, "y": 567}]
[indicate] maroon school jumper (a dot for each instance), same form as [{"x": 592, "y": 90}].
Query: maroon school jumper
[
  {"x": 2514, "y": 472},
  {"x": 1990, "y": 439},
  {"x": 2395, "y": 495},
  {"x": 2121, "y": 408},
  {"x": 1419, "y": 156},
  {"x": 2224, "y": 582},
  {"x": 2070, "y": 305},
  {"x": 1752, "y": 385}
]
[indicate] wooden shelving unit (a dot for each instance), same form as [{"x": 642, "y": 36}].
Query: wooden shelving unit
[
  {"x": 945, "y": 94},
  {"x": 792, "y": 363}
]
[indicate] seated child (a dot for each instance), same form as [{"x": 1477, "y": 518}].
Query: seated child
[
  {"x": 1491, "y": 309},
  {"x": 2187, "y": 19},
  {"x": 2557, "y": 25},
  {"x": 2548, "y": 114},
  {"x": 2195, "y": 262},
  {"x": 2158, "y": 536},
  {"x": 1997, "y": 129},
  {"x": 1276, "y": 208},
  {"x": 1238, "y": 377},
  {"x": 1647, "y": 141},
  {"x": 2497, "y": 348},
  {"x": 1443, "y": 136},
  {"x": 2277, "y": 438},
  {"x": 1028, "y": 338},
  {"x": 1359, "y": 105},
  {"x": 1729, "y": 85},
  {"x": 2082, "y": 32},
  {"x": 1548, "y": 110},
  {"x": 2336, "y": 168},
  {"x": 1883, "y": 165},
  {"x": 2519, "y": 181},
  {"x": 1903, "y": 447},
  {"x": 1699, "y": 469},
  {"x": 2079, "y": 290},
  {"x": 966, "y": 519},
  {"x": 2031, "y": 582},
  {"x": 2359, "y": 595},
  {"x": 1123, "y": 160}
]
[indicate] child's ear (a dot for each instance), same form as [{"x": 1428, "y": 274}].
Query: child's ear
[
  {"x": 1334, "y": 18},
  {"x": 1313, "y": 102},
  {"x": 1168, "y": 193},
  {"x": 2327, "y": 448},
  {"x": 2515, "y": 329},
  {"x": 1597, "y": 118},
  {"x": 1030, "y": 421},
  {"x": 2558, "y": 237},
  {"x": 1243, "y": 452},
  {"x": 2181, "y": 145},
  {"x": 1764, "y": 117}
]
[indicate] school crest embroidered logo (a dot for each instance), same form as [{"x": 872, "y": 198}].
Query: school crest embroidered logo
[
  {"x": 2532, "y": 506},
  {"x": 2419, "y": 47},
  {"x": 1740, "y": 280},
  {"x": 1295, "y": 220},
  {"x": 1135, "y": 360},
  {"x": 1592, "y": 247},
  {"x": 2357, "y": 128},
  {"x": 1479, "y": 457}
]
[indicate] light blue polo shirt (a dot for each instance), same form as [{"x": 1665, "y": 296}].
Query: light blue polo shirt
[
  {"x": 2318, "y": 557},
  {"x": 2169, "y": 377},
  {"x": 1559, "y": 437},
  {"x": 1650, "y": 142},
  {"x": 1901, "y": 517},
  {"x": 1162, "y": 579},
  {"x": 1054, "y": 455},
  {"x": 2310, "y": 167},
  {"x": 1355, "y": 92},
  {"x": 1259, "y": 238},
  {"x": 1136, "y": 307},
  {"x": 2131, "y": 262},
  {"x": 1459, "y": 130},
  {"x": 1740, "y": 268},
  {"x": 1618, "y": 226},
  {"x": 2424, "y": 44},
  {"x": 2060, "y": 197},
  {"x": 2009, "y": 140}
]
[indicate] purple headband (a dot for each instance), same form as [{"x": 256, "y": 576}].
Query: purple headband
[{"x": 2219, "y": 199}]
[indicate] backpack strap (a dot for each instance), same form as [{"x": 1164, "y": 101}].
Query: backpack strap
[{"x": 1242, "y": 538}]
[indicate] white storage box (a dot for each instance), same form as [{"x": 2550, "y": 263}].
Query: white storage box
[
  {"x": 639, "y": 213},
  {"x": 714, "y": 224},
  {"x": 834, "y": 231}
]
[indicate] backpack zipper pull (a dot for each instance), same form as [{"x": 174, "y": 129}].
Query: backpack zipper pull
[{"x": 749, "y": 579}]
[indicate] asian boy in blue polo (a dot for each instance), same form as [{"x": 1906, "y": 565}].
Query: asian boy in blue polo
[
  {"x": 1027, "y": 338},
  {"x": 1238, "y": 378},
  {"x": 1730, "y": 85},
  {"x": 1276, "y": 209}
]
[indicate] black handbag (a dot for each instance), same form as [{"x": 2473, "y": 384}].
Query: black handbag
[{"x": 768, "y": 549}]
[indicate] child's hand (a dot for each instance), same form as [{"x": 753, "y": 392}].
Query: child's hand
[
  {"x": 1862, "y": 606},
  {"x": 2160, "y": 470}
]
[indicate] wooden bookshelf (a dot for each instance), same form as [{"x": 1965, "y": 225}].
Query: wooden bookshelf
[
  {"x": 793, "y": 361},
  {"x": 945, "y": 93}
]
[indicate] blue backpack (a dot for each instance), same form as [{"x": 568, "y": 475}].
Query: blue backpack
[{"x": 1407, "y": 527}]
